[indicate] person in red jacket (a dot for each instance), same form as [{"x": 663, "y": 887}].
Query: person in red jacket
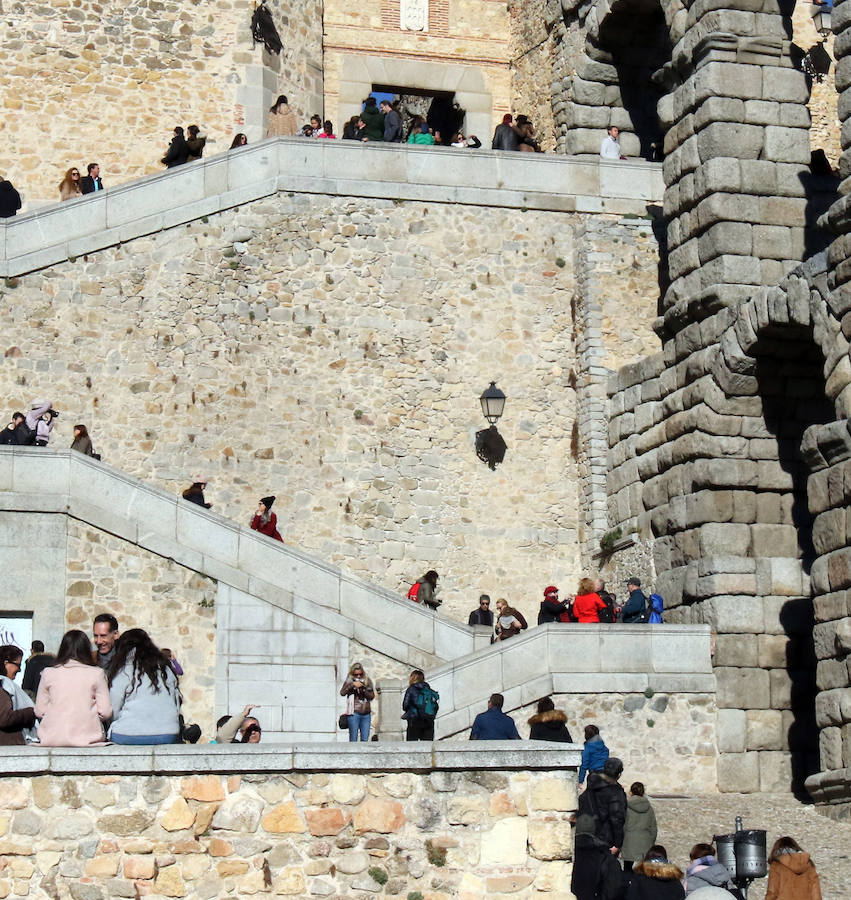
[
  {"x": 264, "y": 521},
  {"x": 587, "y": 603}
]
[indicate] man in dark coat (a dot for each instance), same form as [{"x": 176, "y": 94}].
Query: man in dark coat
[
  {"x": 36, "y": 664},
  {"x": 373, "y": 119},
  {"x": 596, "y": 873},
  {"x": 635, "y": 607},
  {"x": 505, "y": 137},
  {"x": 482, "y": 615},
  {"x": 494, "y": 725},
  {"x": 178, "y": 150},
  {"x": 392, "y": 124},
  {"x": 551, "y": 607},
  {"x": 605, "y": 799},
  {"x": 10, "y": 199},
  {"x": 91, "y": 183}
]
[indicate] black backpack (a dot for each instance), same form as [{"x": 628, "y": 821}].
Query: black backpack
[{"x": 25, "y": 435}]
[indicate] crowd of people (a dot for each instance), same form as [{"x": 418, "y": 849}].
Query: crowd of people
[{"x": 34, "y": 429}]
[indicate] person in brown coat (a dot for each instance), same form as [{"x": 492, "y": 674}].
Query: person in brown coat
[
  {"x": 791, "y": 873},
  {"x": 281, "y": 119},
  {"x": 13, "y": 718}
]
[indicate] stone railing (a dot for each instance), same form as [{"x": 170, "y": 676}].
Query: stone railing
[
  {"x": 427, "y": 820},
  {"x": 63, "y": 481},
  {"x": 53, "y": 234}
]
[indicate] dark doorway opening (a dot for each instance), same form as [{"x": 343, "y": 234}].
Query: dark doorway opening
[{"x": 439, "y": 108}]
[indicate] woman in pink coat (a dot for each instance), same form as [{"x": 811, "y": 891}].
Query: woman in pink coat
[{"x": 73, "y": 697}]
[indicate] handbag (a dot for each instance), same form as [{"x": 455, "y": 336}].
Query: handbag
[{"x": 344, "y": 722}]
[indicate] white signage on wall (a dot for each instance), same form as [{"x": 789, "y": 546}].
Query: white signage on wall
[
  {"x": 16, "y": 629},
  {"x": 413, "y": 15}
]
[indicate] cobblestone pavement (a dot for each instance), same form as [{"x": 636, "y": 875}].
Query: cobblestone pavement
[{"x": 685, "y": 821}]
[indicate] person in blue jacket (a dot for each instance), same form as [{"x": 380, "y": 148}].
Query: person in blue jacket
[
  {"x": 635, "y": 608},
  {"x": 594, "y": 753},
  {"x": 494, "y": 725}
]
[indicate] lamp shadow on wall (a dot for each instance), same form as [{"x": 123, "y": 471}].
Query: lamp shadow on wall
[{"x": 490, "y": 447}]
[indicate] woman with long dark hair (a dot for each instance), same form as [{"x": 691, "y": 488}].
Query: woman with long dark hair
[
  {"x": 73, "y": 696},
  {"x": 144, "y": 693},
  {"x": 82, "y": 443},
  {"x": 16, "y": 711}
]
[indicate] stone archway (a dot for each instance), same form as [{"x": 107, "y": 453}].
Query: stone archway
[{"x": 358, "y": 74}]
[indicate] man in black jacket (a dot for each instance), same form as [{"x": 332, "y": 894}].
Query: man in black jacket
[
  {"x": 551, "y": 607},
  {"x": 605, "y": 799},
  {"x": 392, "y": 123},
  {"x": 596, "y": 873},
  {"x": 482, "y": 615},
  {"x": 91, "y": 183}
]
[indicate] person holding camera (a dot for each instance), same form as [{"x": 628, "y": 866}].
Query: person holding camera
[
  {"x": 358, "y": 691},
  {"x": 44, "y": 427}
]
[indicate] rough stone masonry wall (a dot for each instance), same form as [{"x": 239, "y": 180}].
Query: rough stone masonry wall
[
  {"x": 107, "y": 82},
  {"x": 331, "y": 351},
  {"x": 446, "y": 834}
]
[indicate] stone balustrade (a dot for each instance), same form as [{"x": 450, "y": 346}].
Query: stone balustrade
[{"x": 489, "y": 178}]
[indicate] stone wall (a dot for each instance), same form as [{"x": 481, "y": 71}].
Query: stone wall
[
  {"x": 108, "y": 82},
  {"x": 281, "y": 349},
  {"x": 486, "y": 831}
]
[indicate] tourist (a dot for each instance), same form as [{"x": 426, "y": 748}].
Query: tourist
[
  {"x": 791, "y": 873},
  {"x": 494, "y": 724},
  {"x": 358, "y": 691},
  {"x": 252, "y": 734},
  {"x": 419, "y": 707},
  {"x": 610, "y": 148},
  {"x": 10, "y": 199},
  {"x": 526, "y": 134},
  {"x": 482, "y": 615},
  {"x": 551, "y": 607},
  {"x": 594, "y": 753},
  {"x": 17, "y": 716},
  {"x": 44, "y": 427},
  {"x": 640, "y": 830},
  {"x": 104, "y": 635},
  {"x": 361, "y": 133},
  {"x": 37, "y": 662},
  {"x": 172, "y": 660},
  {"x": 144, "y": 693},
  {"x": 10, "y": 434},
  {"x": 509, "y": 621},
  {"x": 69, "y": 187},
  {"x": 704, "y": 869},
  {"x": 92, "y": 183},
  {"x": 194, "y": 143},
  {"x": 350, "y": 129},
  {"x": 635, "y": 608},
  {"x": 228, "y": 727},
  {"x": 608, "y": 614},
  {"x": 596, "y": 874},
  {"x": 195, "y": 493},
  {"x": 306, "y": 131},
  {"x": 73, "y": 698},
  {"x": 505, "y": 137},
  {"x": 28, "y": 431},
  {"x": 327, "y": 131},
  {"x": 373, "y": 119},
  {"x": 549, "y": 724},
  {"x": 656, "y": 610},
  {"x": 654, "y": 878},
  {"x": 462, "y": 143},
  {"x": 178, "y": 151},
  {"x": 82, "y": 443},
  {"x": 587, "y": 604},
  {"x": 265, "y": 521},
  {"x": 392, "y": 123},
  {"x": 606, "y": 800},
  {"x": 423, "y": 137},
  {"x": 424, "y": 590},
  {"x": 281, "y": 119},
  {"x": 239, "y": 140}
]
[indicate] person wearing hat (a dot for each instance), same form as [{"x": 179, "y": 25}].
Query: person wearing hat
[
  {"x": 635, "y": 608},
  {"x": 596, "y": 872},
  {"x": 551, "y": 607},
  {"x": 265, "y": 521},
  {"x": 195, "y": 494}
]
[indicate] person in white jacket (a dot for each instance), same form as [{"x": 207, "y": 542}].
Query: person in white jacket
[{"x": 610, "y": 148}]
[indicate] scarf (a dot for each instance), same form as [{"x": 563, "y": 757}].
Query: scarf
[{"x": 20, "y": 701}]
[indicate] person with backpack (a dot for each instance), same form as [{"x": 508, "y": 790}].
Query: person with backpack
[
  {"x": 635, "y": 609},
  {"x": 424, "y": 590},
  {"x": 607, "y": 615},
  {"x": 596, "y": 873},
  {"x": 419, "y": 707},
  {"x": 605, "y": 799},
  {"x": 657, "y": 609}
]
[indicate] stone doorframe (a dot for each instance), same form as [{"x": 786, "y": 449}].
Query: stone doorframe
[{"x": 358, "y": 73}]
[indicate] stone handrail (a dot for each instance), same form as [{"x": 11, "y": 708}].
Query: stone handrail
[
  {"x": 563, "y": 659},
  {"x": 53, "y": 234},
  {"x": 67, "y": 482},
  {"x": 177, "y": 759}
]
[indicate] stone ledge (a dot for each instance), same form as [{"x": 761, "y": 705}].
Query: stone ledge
[{"x": 332, "y": 757}]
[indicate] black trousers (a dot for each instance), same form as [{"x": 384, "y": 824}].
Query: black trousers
[{"x": 420, "y": 730}]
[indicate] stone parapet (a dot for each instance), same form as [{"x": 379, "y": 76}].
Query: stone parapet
[{"x": 188, "y": 193}]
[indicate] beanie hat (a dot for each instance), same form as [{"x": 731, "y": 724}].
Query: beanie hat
[
  {"x": 552, "y": 589},
  {"x": 267, "y": 501}
]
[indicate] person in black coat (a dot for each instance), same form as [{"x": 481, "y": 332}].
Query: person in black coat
[
  {"x": 195, "y": 494},
  {"x": 91, "y": 183},
  {"x": 10, "y": 199},
  {"x": 605, "y": 799},
  {"x": 10, "y": 434},
  {"x": 178, "y": 150},
  {"x": 596, "y": 873},
  {"x": 551, "y": 607},
  {"x": 482, "y": 615},
  {"x": 655, "y": 878},
  {"x": 549, "y": 724}
]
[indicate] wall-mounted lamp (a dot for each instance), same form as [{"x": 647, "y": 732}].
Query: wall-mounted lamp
[
  {"x": 820, "y": 14},
  {"x": 490, "y": 446}
]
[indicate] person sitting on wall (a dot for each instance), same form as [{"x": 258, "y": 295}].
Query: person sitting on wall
[
  {"x": 104, "y": 636},
  {"x": 195, "y": 493},
  {"x": 265, "y": 521},
  {"x": 549, "y": 724},
  {"x": 494, "y": 724},
  {"x": 610, "y": 148},
  {"x": 635, "y": 609},
  {"x": 17, "y": 716},
  {"x": 231, "y": 729},
  {"x": 482, "y": 615}
]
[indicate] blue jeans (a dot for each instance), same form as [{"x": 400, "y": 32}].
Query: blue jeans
[
  {"x": 146, "y": 739},
  {"x": 359, "y": 723}
]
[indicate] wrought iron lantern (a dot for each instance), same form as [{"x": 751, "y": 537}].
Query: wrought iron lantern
[{"x": 493, "y": 403}]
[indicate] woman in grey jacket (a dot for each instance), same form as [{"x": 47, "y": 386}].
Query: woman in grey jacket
[
  {"x": 143, "y": 691},
  {"x": 639, "y": 833}
]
